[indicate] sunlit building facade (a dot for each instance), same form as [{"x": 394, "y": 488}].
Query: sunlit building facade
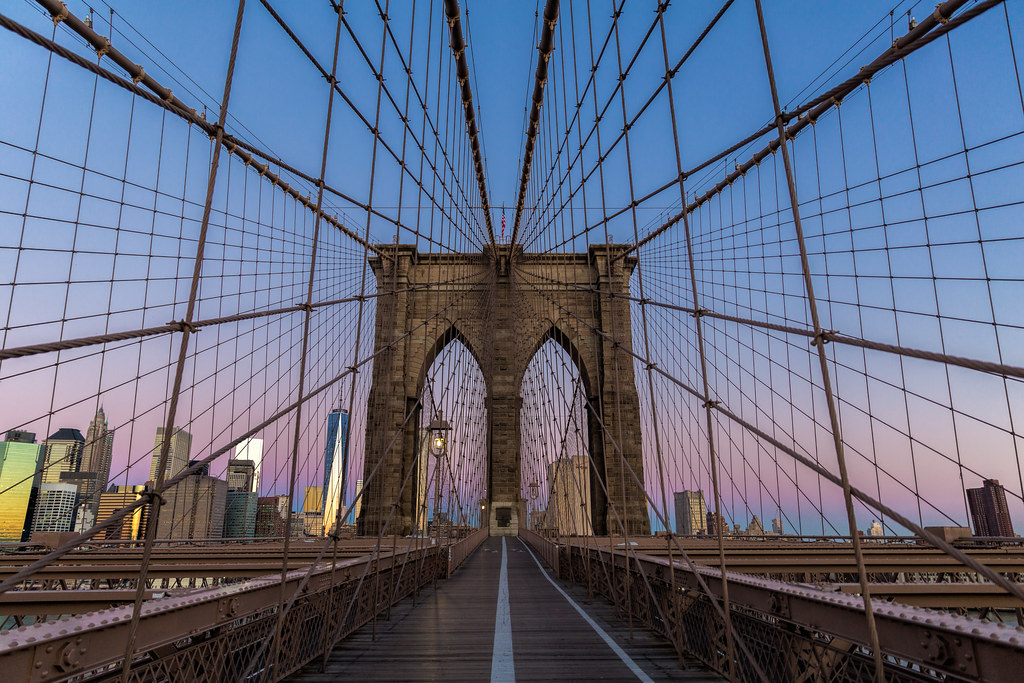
[
  {"x": 568, "y": 495},
  {"x": 133, "y": 526},
  {"x": 20, "y": 479},
  {"x": 691, "y": 513}
]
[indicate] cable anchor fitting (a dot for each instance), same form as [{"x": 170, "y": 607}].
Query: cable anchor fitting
[
  {"x": 184, "y": 326},
  {"x": 825, "y": 336},
  {"x": 61, "y": 16},
  {"x": 154, "y": 497}
]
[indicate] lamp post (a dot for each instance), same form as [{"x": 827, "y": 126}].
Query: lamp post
[
  {"x": 534, "y": 492},
  {"x": 439, "y": 429}
]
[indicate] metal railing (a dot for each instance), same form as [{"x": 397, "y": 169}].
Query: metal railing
[{"x": 216, "y": 634}]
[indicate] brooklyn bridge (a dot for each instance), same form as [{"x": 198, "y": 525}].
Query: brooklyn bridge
[{"x": 511, "y": 341}]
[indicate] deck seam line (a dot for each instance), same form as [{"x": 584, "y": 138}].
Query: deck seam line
[{"x": 502, "y": 658}]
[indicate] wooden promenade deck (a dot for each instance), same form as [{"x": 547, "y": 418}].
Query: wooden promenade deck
[{"x": 449, "y": 635}]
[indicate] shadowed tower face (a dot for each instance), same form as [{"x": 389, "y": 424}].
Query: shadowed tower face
[{"x": 503, "y": 306}]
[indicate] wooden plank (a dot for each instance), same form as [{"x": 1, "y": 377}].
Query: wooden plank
[{"x": 449, "y": 633}]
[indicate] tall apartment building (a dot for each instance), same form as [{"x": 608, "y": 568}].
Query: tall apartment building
[
  {"x": 55, "y": 507},
  {"x": 177, "y": 455},
  {"x": 568, "y": 497},
  {"x": 691, "y": 513},
  {"x": 20, "y": 479},
  {"x": 194, "y": 508},
  {"x": 132, "y": 527},
  {"x": 989, "y": 510}
]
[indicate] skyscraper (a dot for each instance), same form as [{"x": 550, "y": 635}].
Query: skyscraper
[
  {"x": 691, "y": 513},
  {"x": 252, "y": 450},
  {"x": 336, "y": 448},
  {"x": 94, "y": 471},
  {"x": 132, "y": 527},
  {"x": 989, "y": 511},
  {"x": 568, "y": 493},
  {"x": 20, "y": 479},
  {"x": 194, "y": 509},
  {"x": 63, "y": 455},
  {"x": 177, "y": 454},
  {"x": 240, "y": 514},
  {"x": 241, "y": 475},
  {"x": 55, "y": 507},
  {"x": 777, "y": 526}
]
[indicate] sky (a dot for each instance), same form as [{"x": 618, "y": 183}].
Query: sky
[{"x": 951, "y": 278}]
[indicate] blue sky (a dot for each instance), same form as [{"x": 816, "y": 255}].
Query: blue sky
[{"x": 951, "y": 276}]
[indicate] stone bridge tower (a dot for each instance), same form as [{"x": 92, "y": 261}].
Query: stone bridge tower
[{"x": 503, "y": 305}]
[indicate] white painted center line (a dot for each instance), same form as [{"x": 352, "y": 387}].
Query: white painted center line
[
  {"x": 626, "y": 659},
  {"x": 503, "y": 666}
]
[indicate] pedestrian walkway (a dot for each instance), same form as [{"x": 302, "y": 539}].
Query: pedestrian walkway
[{"x": 502, "y": 617}]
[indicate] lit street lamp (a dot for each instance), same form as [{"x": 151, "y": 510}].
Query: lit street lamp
[{"x": 439, "y": 429}]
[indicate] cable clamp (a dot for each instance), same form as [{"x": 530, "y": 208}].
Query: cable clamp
[
  {"x": 184, "y": 325},
  {"x": 61, "y": 16},
  {"x": 940, "y": 17},
  {"x": 307, "y": 307},
  {"x": 700, "y": 312},
  {"x": 652, "y": 366},
  {"x": 105, "y": 49},
  {"x": 354, "y": 369},
  {"x": 154, "y": 497},
  {"x": 825, "y": 336},
  {"x": 138, "y": 77},
  {"x": 710, "y": 404}
]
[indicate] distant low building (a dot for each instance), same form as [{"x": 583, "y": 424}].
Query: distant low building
[
  {"x": 755, "y": 528},
  {"x": 876, "y": 529},
  {"x": 716, "y": 523},
  {"x": 269, "y": 517}
]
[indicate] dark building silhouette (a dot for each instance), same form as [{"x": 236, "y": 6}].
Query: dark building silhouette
[{"x": 989, "y": 512}]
